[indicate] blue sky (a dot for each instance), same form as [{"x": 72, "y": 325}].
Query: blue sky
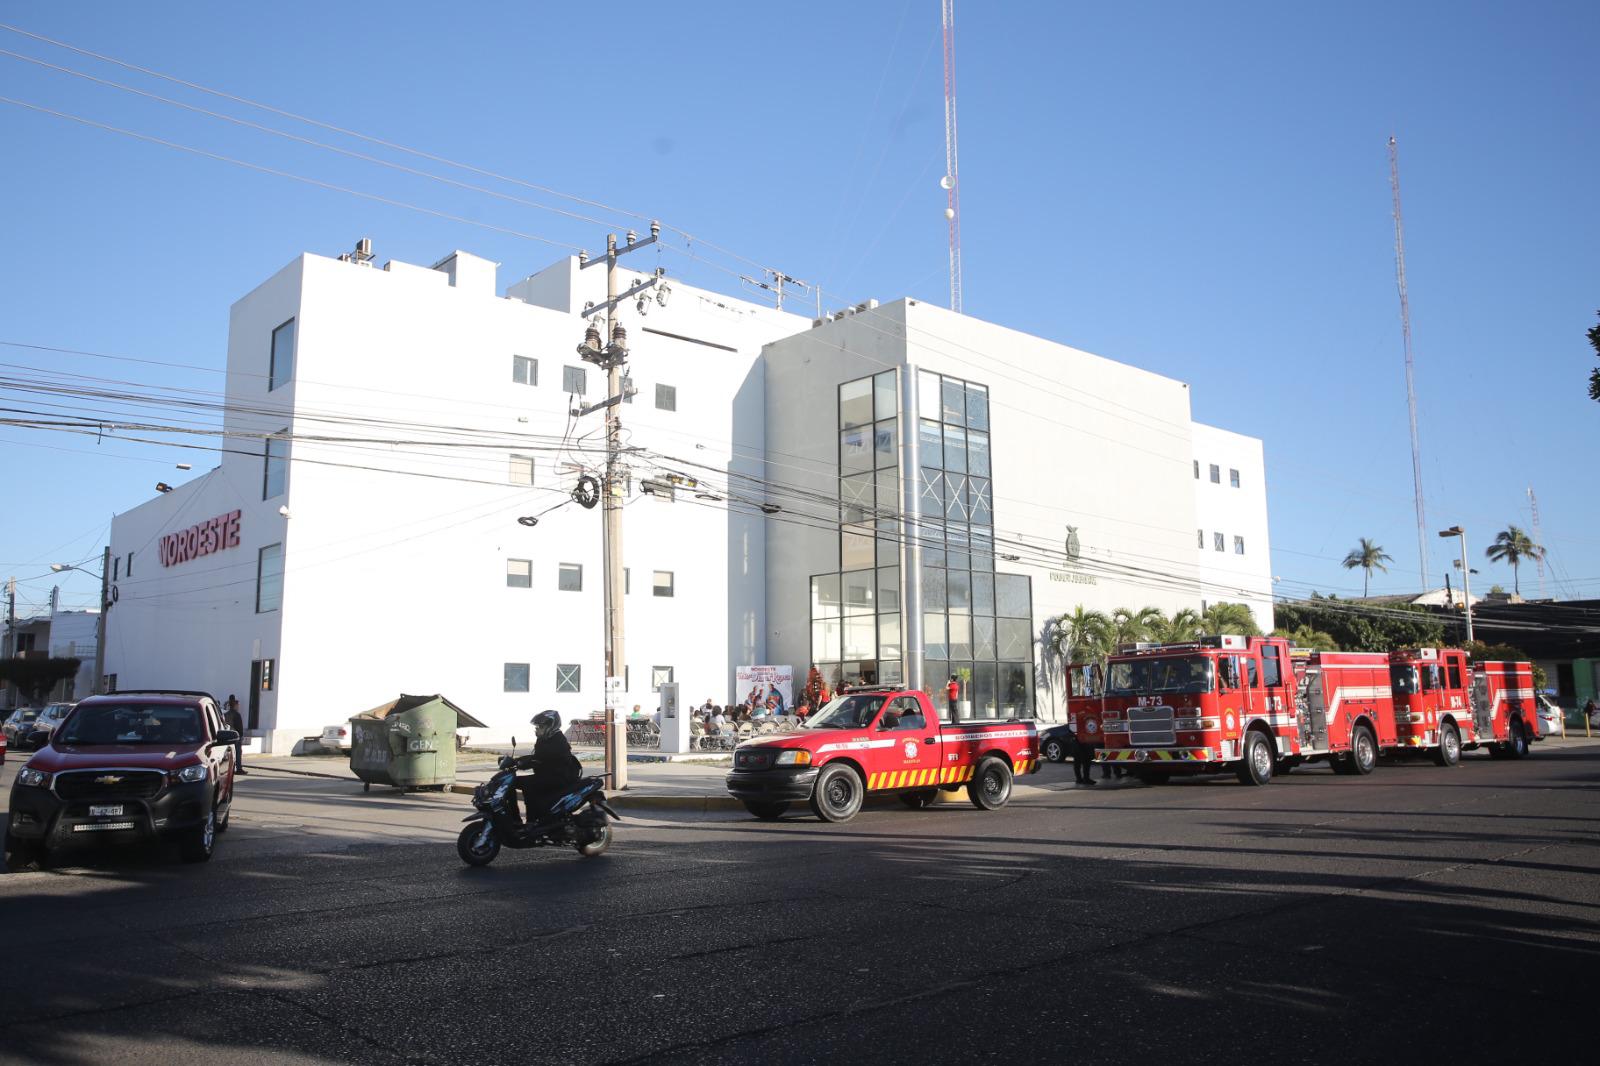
[{"x": 1201, "y": 190}]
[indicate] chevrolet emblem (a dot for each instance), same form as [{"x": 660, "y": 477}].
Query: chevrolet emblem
[{"x": 108, "y": 779}]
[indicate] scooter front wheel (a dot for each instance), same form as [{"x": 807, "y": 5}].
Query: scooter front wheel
[
  {"x": 475, "y": 851},
  {"x": 600, "y": 841}
]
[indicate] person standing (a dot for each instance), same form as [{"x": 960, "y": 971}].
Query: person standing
[
  {"x": 231, "y": 719},
  {"x": 952, "y": 692}
]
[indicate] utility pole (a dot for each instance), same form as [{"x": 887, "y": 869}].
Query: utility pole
[
  {"x": 1411, "y": 382},
  {"x": 613, "y": 356},
  {"x": 100, "y": 623},
  {"x": 1466, "y": 571}
]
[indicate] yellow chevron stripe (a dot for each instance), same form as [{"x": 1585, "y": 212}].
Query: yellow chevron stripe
[
  {"x": 922, "y": 776},
  {"x": 872, "y": 782}
]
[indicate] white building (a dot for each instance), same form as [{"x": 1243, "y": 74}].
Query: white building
[{"x": 386, "y": 429}]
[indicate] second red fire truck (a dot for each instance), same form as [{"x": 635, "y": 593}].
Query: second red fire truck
[{"x": 1255, "y": 707}]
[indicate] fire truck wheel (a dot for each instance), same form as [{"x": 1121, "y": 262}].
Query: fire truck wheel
[
  {"x": 1448, "y": 753},
  {"x": 1054, "y": 750},
  {"x": 991, "y": 785},
  {"x": 1363, "y": 751},
  {"x": 767, "y": 812},
  {"x": 921, "y": 799},
  {"x": 1517, "y": 746},
  {"x": 1256, "y": 766},
  {"x": 837, "y": 795}
]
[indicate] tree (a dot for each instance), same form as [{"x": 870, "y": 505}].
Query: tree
[
  {"x": 1364, "y": 629},
  {"x": 1229, "y": 618},
  {"x": 1306, "y": 637},
  {"x": 1501, "y": 653},
  {"x": 1184, "y": 625},
  {"x": 1512, "y": 545},
  {"x": 1128, "y": 625},
  {"x": 1594, "y": 375},
  {"x": 1367, "y": 556},
  {"x": 36, "y": 677}
]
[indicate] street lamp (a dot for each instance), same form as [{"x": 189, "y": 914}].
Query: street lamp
[
  {"x": 100, "y": 622},
  {"x": 1466, "y": 572}
]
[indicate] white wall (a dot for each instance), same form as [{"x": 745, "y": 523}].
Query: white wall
[
  {"x": 73, "y": 635},
  {"x": 1233, "y": 512}
]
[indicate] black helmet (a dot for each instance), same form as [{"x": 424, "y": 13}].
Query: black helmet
[{"x": 545, "y": 723}]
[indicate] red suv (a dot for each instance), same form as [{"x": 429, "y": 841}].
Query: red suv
[{"x": 141, "y": 765}]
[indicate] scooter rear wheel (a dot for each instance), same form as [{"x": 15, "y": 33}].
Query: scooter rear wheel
[
  {"x": 472, "y": 853},
  {"x": 598, "y": 843}
]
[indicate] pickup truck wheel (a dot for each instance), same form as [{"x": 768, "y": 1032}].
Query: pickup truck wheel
[
  {"x": 921, "y": 799},
  {"x": 767, "y": 812},
  {"x": 23, "y": 854},
  {"x": 991, "y": 785},
  {"x": 1448, "y": 753},
  {"x": 1054, "y": 750},
  {"x": 198, "y": 843},
  {"x": 837, "y": 795}
]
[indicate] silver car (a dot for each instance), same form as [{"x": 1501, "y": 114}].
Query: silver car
[
  {"x": 18, "y": 725},
  {"x": 52, "y": 715}
]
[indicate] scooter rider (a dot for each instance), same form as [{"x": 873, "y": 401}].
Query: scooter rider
[{"x": 555, "y": 769}]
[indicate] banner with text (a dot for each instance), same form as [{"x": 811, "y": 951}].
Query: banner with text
[{"x": 768, "y": 687}]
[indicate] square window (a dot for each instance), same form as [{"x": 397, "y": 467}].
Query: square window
[
  {"x": 857, "y": 547},
  {"x": 953, "y": 402},
  {"x": 574, "y": 380},
  {"x": 855, "y": 403},
  {"x": 570, "y": 577},
  {"x": 516, "y": 677},
  {"x": 666, "y": 398},
  {"x": 855, "y": 449},
  {"x": 1217, "y": 541},
  {"x": 281, "y": 366},
  {"x": 977, "y": 407},
  {"x": 524, "y": 371},
  {"x": 660, "y": 675},
  {"x": 269, "y": 578},
  {"x": 275, "y": 468},
  {"x": 1216, "y": 474},
  {"x": 521, "y": 471},
  {"x": 519, "y": 573},
  {"x": 1238, "y": 545},
  {"x": 1233, "y": 478},
  {"x": 884, "y": 402},
  {"x": 825, "y": 596},
  {"x": 885, "y": 453},
  {"x": 569, "y": 677},
  {"x": 662, "y": 585}
]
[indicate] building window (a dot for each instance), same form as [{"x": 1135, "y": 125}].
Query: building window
[
  {"x": 519, "y": 573},
  {"x": 1216, "y": 474},
  {"x": 516, "y": 677},
  {"x": 574, "y": 380},
  {"x": 1233, "y": 478},
  {"x": 1200, "y": 537},
  {"x": 1238, "y": 545},
  {"x": 269, "y": 578},
  {"x": 116, "y": 565},
  {"x": 1197, "y": 470},
  {"x": 660, "y": 675},
  {"x": 666, "y": 398},
  {"x": 570, "y": 579},
  {"x": 663, "y": 584},
  {"x": 281, "y": 367},
  {"x": 627, "y": 580},
  {"x": 569, "y": 677},
  {"x": 524, "y": 371},
  {"x": 127, "y": 571},
  {"x": 522, "y": 470},
  {"x": 275, "y": 467},
  {"x": 1217, "y": 541}
]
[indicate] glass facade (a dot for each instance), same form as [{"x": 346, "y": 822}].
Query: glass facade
[{"x": 976, "y": 624}]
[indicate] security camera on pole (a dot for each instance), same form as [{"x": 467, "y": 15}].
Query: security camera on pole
[{"x": 612, "y": 356}]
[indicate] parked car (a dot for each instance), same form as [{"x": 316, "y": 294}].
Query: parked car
[
  {"x": 1550, "y": 717},
  {"x": 51, "y": 716},
  {"x": 131, "y": 766},
  {"x": 1056, "y": 743},
  {"x": 336, "y": 737},
  {"x": 18, "y": 725}
]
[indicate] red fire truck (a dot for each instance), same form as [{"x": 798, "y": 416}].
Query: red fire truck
[
  {"x": 1085, "y": 702},
  {"x": 1243, "y": 704},
  {"x": 1444, "y": 704}
]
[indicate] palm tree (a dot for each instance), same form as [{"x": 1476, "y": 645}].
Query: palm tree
[
  {"x": 1184, "y": 625},
  {"x": 1309, "y": 638},
  {"x": 1369, "y": 557},
  {"x": 1229, "y": 618},
  {"x": 1126, "y": 625},
  {"x": 1085, "y": 635},
  {"x": 1512, "y": 545}
]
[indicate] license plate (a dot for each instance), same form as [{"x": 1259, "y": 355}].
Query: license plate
[{"x": 112, "y": 810}]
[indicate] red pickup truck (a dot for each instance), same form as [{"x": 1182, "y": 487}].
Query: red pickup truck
[{"x": 881, "y": 741}]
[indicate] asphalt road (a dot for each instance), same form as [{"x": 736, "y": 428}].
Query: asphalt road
[{"x": 1424, "y": 914}]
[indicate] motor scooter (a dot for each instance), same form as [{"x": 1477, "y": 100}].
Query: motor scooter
[{"x": 578, "y": 818}]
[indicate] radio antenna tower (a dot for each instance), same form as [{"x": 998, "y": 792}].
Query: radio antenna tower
[
  {"x": 1411, "y": 383},
  {"x": 951, "y": 180},
  {"x": 1538, "y": 538}
]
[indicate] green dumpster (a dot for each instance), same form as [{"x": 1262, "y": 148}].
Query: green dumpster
[{"x": 409, "y": 743}]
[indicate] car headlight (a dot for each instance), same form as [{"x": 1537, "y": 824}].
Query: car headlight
[
  {"x": 794, "y": 757},
  {"x": 33, "y": 778},
  {"x": 192, "y": 774}
]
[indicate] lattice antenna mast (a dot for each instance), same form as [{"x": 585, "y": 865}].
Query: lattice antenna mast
[
  {"x": 1411, "y": 383},
  {"x": 952, "y": 179},
  {"x": 1538, "y": 537}
]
